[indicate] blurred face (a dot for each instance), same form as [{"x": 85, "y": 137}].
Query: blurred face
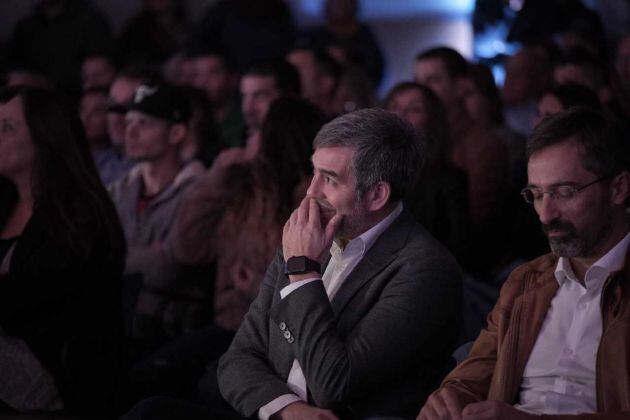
[
  {"x": 575, "y": 227},
  {"x": 257, "y": 92},
  {"x": 17, "y": 151},
  {"x": 334, "y": 187},
  {"x": 410, "y": 106},
  {"x": 97, "y": 72},
  {"x": 517, "y": 87},
  {"x": 93, "y": 113},
  {"x": 211, "y": 76},
  {"x": 432, "y": 72},
  {"x": 475, "y": 103},
  {"x": 146, "y": 138},
  {"x": 570, "y": 73},
  {"x": 120, "y": 93},
  {"x": 306, "y": 64},
  {"x": 548, "y": 105}
]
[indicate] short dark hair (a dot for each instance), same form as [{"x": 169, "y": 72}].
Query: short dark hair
[
  {"x": 285, "y": 74},
  {"x": 200, "y": 51},
  {"x": 387, "y": 148},
  {"x": 572, "y": 94},
  {"x": 603, "y": 144},
  {"x": 456, "y": 65}
]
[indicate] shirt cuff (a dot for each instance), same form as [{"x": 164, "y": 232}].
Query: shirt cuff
[
  {"x": 294, "y": 286},
  {"x": 276, "y": 405}
]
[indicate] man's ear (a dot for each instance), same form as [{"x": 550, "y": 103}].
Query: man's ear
[
  {"x": 378, "y": 195},
  {"x": 177, "y": 133},
  {"x": 620, "y": 188}
]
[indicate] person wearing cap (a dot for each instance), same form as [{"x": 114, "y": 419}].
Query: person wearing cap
[
  {"x": 147, "y": 199},
  {"x": 113, "y": 165}
]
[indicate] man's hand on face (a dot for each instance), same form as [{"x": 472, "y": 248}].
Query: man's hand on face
[
  {"x": 303, "y": 234},
  {"x": 302, "y": 411},
  {"x": 441, "y": 405},
  {"x": 494, "y": 410}
]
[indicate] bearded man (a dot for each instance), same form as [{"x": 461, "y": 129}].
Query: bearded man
[
  {"x": 358, "y": 315},
  {"x": 557, "y": 343}
]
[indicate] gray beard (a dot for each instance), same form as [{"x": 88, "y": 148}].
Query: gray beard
[{"x": 571, "y": 245}]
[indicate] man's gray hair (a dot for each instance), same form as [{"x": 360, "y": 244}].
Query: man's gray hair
[{"x": 386, "y": 149}]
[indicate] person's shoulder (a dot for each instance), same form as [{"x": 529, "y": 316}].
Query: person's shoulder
[
  {"x": 535, "y": 267},
  {"x": 420, "y": 248},
  {"x": 532, "y": 274}
]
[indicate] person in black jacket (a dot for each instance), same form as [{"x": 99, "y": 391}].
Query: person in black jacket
[{"x": 61, "y": 259}]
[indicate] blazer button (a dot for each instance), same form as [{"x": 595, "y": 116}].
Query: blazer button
[
  {"x": 283, "y": 326},
  {"x": 287, "y": 334},
  {"x": 290, "y": 339}
]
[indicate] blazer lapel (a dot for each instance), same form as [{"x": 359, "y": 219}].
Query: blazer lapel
[{"x": 378, "y": 257}]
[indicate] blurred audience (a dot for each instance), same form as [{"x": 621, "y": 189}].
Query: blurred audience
[
  {"x": 98, "y": 70},
  {"x": 154, "y": 33},
  {"x": 54, "y": 38},
  {"x": 250, "y": 31},
  {"x": 349, "y": 41}
]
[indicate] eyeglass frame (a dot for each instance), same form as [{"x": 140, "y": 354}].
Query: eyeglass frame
[{"x": 553, "y": 191}]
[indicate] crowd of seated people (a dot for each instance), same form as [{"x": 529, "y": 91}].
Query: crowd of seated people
[{"x": 224, "y": 214}]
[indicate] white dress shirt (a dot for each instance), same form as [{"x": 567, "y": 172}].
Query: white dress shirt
[
  {"x": 341, "y": 264},
  {"x": 559, "y": 377}
]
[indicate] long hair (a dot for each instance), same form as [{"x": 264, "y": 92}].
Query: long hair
[
  {"x": 287, "y": 138},
  {"x": 68, "y": 195}
]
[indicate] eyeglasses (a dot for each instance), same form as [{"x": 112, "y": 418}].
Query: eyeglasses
[{"x": 560, "y": 192}]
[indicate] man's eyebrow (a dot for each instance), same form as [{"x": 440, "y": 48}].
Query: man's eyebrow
[
  {"x": 556, "y": 184},
  {"x": 328, "y": 172}
]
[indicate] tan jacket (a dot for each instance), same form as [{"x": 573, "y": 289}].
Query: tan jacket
[{"x": 494, "y": 368}]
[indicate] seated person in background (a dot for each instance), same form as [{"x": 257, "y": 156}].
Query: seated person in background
[
  {"x": 260, "y": 85},
  {"x": 560, "y": 98},
  {"x": 371, "y": 331},
  {"x": 62, "y": 254},
  {"x": 147, "y": 199},
  {"x": 439, "y": 199},
  {"x": 120, "y": 94},
  {"x": 556, "y": 343},
  {"x": 93, "y": 113},
  {"x": 234, "y": 214}
]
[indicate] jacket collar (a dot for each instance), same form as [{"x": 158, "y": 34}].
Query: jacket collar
[{"x": 378, "y": 256}]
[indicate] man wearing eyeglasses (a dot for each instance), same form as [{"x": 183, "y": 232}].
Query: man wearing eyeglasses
[{"x": 557, "y": 343}]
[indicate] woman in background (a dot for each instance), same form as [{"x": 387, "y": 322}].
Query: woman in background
[{"x": 62, "y": 254}]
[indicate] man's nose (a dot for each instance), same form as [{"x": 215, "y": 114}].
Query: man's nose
[
  {"x": 547, "y": 209},
  {"x": 314, "y": 187}
]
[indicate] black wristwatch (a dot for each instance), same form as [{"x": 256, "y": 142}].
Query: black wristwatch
[{"x": 300, "y": 265}]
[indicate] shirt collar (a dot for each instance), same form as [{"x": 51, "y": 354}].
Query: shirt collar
[
  {"x": 362, "y": 243},
  {"x": 613, "y": 260}
]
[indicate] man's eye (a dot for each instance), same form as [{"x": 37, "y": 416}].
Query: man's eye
[{"x": 564, "y": 192}]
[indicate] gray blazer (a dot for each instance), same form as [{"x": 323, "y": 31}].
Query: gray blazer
[{"x": 378, "y": 348}]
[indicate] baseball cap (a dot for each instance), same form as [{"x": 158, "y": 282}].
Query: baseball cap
[{"x": 162, "y": 101}]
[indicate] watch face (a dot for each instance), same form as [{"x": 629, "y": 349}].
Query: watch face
[{"x": 296, "y": 265}]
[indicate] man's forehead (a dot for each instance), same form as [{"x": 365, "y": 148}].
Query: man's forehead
[
  {"x": 255, "y": 82},
  {"x": 557, "y": 163},
  {"x": 333, "y": 158}
]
